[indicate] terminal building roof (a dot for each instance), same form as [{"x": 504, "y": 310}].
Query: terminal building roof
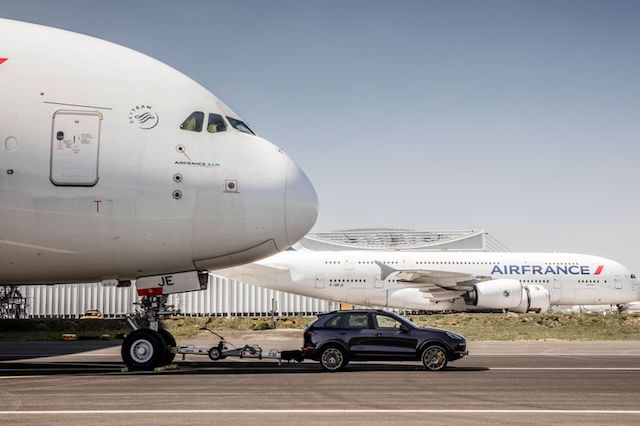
[{"x": 402, "y": 240}]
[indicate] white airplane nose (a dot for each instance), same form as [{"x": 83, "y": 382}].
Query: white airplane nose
[{"x": 300, "y": 204}]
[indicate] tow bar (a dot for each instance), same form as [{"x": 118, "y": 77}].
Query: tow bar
[{"x": 222, "y": 350}]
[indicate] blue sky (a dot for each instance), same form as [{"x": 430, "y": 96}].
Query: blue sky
[{"x": 520, "y": 117}]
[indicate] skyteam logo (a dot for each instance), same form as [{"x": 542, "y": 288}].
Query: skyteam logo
[
  {"x": 143, "y": 116},
  {"x": 544, "y": 270}
]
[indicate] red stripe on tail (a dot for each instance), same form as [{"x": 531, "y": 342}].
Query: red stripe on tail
[{"x": 152, "y": 291}]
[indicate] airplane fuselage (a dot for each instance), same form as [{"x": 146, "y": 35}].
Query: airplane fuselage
[
  {"x": 103, "y": 176},
  {"x": 355, "y": 277}
]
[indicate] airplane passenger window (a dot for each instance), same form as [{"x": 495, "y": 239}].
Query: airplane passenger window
[
  {"x": 193, "y": 123},
  {"x": 216, "y": 124},
  {"x": 240, "y": 125}
]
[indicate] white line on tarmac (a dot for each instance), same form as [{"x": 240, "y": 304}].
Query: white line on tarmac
[
  {"x": 529, "y": 355},
  {"x": 569, "y": 368},
  {"x": 322, "y": 411},
  {"x": 232, "y": 369},
  {"x": 551, "y": 354},
  {"x": 19, "y": 377},
  {"x": 37, "y": 355}
]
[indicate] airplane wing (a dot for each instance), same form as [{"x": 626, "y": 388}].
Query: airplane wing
[{"x": 439, "y": 285}]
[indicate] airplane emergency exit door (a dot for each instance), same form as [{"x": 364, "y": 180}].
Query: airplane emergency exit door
[{"x": 75, "y": 148}]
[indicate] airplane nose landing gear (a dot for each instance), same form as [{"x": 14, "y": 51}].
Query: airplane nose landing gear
[
  {"x": 144, "y": 349},
  {"x": 149, "y": 347}
]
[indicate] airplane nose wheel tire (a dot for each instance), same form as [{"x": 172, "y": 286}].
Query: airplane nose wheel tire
[
  {"x": 434, "y": 358},
  {"x": 143, "y": 349},
  {"x": 170, "y": 342}
]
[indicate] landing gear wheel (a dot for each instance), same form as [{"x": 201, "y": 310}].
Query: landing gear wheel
[
  {"x": 333, "y": 358},
  {"x": 434, "y": 358},
  {"x": 143, "y": 349},
  {"x": 215, "y": 353},
  {"x": 170, "y": 344}
]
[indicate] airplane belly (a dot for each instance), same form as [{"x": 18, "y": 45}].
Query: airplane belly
[{"x": 63, "y": 240}]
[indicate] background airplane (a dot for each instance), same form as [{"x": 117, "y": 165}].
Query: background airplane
[
  {"x": 520, "y": 282},
  {"x": 116, "y": 166}
]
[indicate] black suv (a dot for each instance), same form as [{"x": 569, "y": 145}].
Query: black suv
[{"x": 338, "y": 337}]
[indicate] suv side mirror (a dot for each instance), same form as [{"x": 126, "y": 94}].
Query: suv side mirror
[{"x": 403, "y": 328}]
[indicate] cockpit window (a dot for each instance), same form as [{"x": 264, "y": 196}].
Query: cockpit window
[
  {"x": 216, "y": 124},
  {"x": 633, "y": 276},
  {"x": 240, "y": 125},
  {"x": 193, "y": 123}
]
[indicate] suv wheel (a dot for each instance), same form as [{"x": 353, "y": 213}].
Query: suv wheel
[
  {"x": 332, "y": 358},
  {"x": 434, "y": 358}
]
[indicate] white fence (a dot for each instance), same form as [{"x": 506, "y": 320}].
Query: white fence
[{"x": 223, "y": 297}]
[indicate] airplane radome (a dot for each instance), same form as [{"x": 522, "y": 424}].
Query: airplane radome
[{"x": 114, "y": 165}]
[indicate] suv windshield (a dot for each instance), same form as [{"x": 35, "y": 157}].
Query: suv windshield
[{"x": 240, "y": 125}]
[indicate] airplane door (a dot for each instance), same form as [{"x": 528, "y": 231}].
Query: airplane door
[
  {"x": 75, "y": 148},
  {"x": 320, "y": 281},
  {"x": 557, "y": 283},
  {"x": 378, "y": 283},
  {"x": 618, "y": 282},
  {"x": 348, "y": 264}
]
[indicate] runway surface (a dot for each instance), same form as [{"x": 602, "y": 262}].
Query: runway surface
[{"x": 508, "y": 382}]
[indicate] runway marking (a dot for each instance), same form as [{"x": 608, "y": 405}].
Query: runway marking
[
  {"x": 530, "y": 355},
  {"x": 569, "y": 368},
  {"x": 18, "y": 377},
  {"x": 62, "y": 370},
  {"x": 116, "y": 369},
  {"x": 45, "y": 355},
  {"x": 323, "y": 411},
  {"x": 501, "y": 354}
]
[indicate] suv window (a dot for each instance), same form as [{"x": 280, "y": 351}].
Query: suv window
[
  {"x": 354, "y": 320},
  {"x": 359, "y": 320},
  {"x": 386, "y": 322},
  {"x": 193, "y": 123},
  {"x": 334, "y": 322}
]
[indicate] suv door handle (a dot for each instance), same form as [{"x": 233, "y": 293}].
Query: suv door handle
[
  {"x": 378, "y": 334},
  {"x": 342, "y": 333}
]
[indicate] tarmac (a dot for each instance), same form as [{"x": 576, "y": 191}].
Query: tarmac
[{"x": 523, "y": 382}]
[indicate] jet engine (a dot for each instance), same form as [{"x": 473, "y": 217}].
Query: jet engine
[
  {"x": 535, "y": 298},
  {"x": 509, "y": 294},
  {"x": 496, "y": 294}
]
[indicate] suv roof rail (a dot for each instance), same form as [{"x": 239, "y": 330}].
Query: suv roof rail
[{"x": 353, "y": 310}]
